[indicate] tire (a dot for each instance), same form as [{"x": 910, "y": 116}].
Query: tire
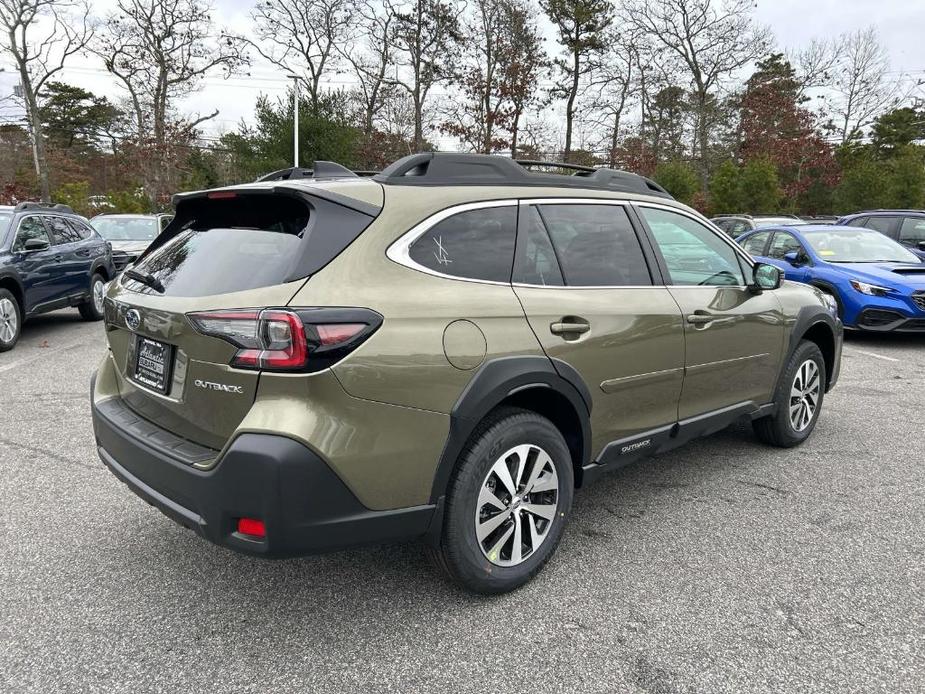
[
  {"x": 490, "y": 565},
  {"x": 790, "y": 427},
  {"x": 92, "y": 308},
  {"x": 10, "y": 320}
]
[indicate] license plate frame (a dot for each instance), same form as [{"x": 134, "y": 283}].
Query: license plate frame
[{"x": 149, "y": 354}]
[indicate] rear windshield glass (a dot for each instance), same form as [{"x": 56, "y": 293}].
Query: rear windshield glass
[
  {"x": 246, "y": 241},
  {"x": 126, "y": 228}
]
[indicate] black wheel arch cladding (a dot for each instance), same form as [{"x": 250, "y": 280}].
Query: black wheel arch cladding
[{"x": 498, "y": 381}]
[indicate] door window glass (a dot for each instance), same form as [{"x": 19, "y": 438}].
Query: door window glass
[
  {"x": 782, "y": 244},
  {"x": 913, "y": 230},
  {"x": 477, "y": 244},
  {"x": 83, "y": 230},
  {"x": 536, "y": 260},
  {"x": 882, "y": 224},
  {"x": 694, "y": 254},
  {"x": 755, "y": 244},
  {"x": 595, "y": 245},
  {"x": 61, "y": 231},
  {"x": 30, "y": 228}
]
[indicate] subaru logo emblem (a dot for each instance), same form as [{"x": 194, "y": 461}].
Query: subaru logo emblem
[{"x": 133, "y": 319}]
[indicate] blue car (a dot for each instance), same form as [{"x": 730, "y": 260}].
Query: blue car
[
  {"x": 877, "y": 284},
  {"x": 50, "y": 258}
]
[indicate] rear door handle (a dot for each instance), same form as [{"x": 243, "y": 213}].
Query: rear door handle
[
  {"x": 569, "y": 328},
  {"x": 700, "y": 318}
]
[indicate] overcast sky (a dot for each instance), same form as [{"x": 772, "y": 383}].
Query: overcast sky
[{"x": 901, "y": 24}]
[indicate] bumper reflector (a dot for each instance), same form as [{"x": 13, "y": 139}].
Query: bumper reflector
[{"x": 251, "y": 526}]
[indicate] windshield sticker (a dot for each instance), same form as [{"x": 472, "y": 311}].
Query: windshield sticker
[{"x": 826, "y": 252}]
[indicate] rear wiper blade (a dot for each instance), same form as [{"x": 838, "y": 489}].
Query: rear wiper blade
[{"x": 147, "y": 279}]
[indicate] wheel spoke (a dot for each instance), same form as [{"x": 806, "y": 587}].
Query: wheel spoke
[
  {"x": 535, "y": 537},
  {"x": 546, "y": 483},
  {"x": 541, "y": 460},
  {"x": 516, "y": 547},
  {"x": 486, "y": 496},
  {"x": 523, "y": 454},
  {"x": 496, "y": 548},
  {"x": 547, "y": 511},
  {"x": 488, "y": 527},
  {"x": 504, "y": 474}
]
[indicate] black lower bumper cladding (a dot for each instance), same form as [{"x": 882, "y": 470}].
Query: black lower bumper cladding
[{"x": 304, "y": 505}]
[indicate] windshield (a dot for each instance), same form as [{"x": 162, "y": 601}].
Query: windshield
[
  {"x": 5, "y": 218},
  {"x": 855, "y": 245},
  {"x": 126, "y": 228}
]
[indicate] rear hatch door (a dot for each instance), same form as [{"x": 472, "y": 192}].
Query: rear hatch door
[{"x": 246, "y": 250}]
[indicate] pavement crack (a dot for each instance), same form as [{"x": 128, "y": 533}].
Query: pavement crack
[
  {"x": 40, "y": 450},
  {"x": 761, "y": 485}
]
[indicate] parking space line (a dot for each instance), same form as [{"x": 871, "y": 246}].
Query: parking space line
[
  {"x": 42, "y": 353},
  {"x": 871, "y": 354}
]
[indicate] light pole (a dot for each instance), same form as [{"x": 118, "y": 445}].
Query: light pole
[{"x": 295, "y": 120}]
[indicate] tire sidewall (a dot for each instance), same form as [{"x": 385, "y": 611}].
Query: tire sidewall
[
  {"x": 90, "y": 311},
  {"x": 466, "y": 555},
  {"x": 806, "y": 350},
  {"x": 6, "y": 346}
]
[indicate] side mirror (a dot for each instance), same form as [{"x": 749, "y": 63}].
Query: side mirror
[
  {"x": 32, "y": 245},
  {"x": 766, "y": 277},
  {"x": 793, "y": 257}
]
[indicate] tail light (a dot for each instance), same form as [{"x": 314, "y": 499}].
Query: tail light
[{"x": 288, "y": 340}]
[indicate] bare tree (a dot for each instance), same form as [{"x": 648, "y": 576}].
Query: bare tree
[
  {"x": 612, "y": 85},
  {"x": 582, "y": 26},
  {"x": 160, "y": 50},
  {"x": 479, "y": 117},
  {"x": 861, "y": 88},
  {"x": 524, "y": 63},
  {"x": 304, "y": 37},
  {"x": 424, "y": 41},
  {"x": 816, "y": 63},
  {"x": 711, "y": 40},
  {"x": 40, "y": 36},
  {"x": 371, "y": 58}
]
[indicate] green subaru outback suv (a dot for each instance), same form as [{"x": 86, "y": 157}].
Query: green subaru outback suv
[{"x": 444, "y": 351}]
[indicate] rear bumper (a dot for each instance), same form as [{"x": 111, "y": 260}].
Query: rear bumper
[{"x": 304, "y": 505}]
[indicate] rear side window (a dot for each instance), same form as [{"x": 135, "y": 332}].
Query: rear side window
[
  {"x": 536, "y": 260},
  {"x": 83, "y": 230},
  {"x": 884, "y": 225},
  {"x": 912, "y": 230},
  {"x": 476, "y": 244},
  {"x": 243, "y": 242},
  {"x": 755, "y": 244},
  {"x": 61, "y": 231},
  {"x": 595, "y": 245}
]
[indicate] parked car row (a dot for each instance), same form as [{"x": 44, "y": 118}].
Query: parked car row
[{"x": 52, "y": 258}]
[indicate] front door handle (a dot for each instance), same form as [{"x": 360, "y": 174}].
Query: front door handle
[
  {"x": 700, "y": 318},
  {"x": 569, "y": 327}
]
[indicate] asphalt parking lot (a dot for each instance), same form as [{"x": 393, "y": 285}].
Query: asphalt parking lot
[{"x": 722, "y": 567}]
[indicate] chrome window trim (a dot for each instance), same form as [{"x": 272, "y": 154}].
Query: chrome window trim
[{"x": 398, "y": 251}]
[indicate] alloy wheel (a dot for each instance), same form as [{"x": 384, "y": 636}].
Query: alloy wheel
[
  {"x": 98, "y": 291},
  {"x": 804, "y": 395},
  {"x": 9, "y": 320},
  {"x": 517, "y": 503}
]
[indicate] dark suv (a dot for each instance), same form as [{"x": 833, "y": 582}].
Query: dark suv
[
  {"x": 50, "y": 258},
  {"x": 444, "y": 351},
  {"x": 905, "y": 226}
]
